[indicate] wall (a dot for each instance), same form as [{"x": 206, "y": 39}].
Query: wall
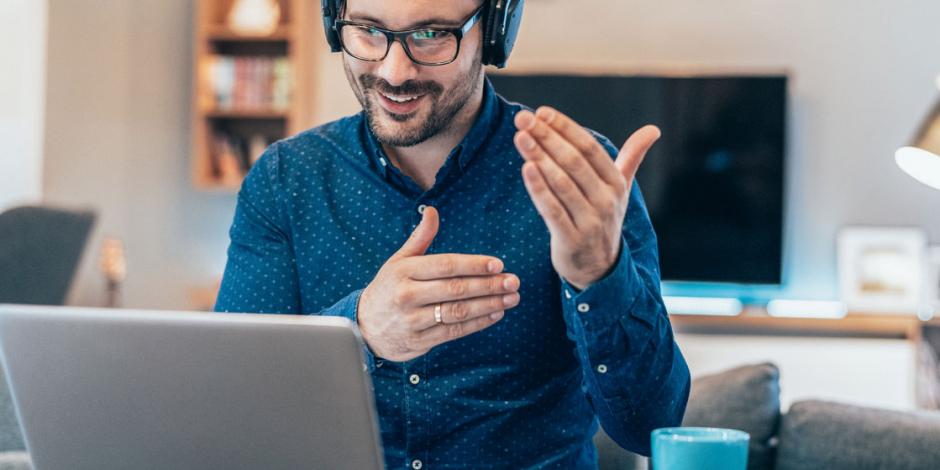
[
  {"x": 22, "y": 94},
  {"x": 118, "y": 140},
  {"x": 862, "y": 371},
  {"x": 863, "y": 75}
]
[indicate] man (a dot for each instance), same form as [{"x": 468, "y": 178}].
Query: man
[{"x": 525, "y": 304}]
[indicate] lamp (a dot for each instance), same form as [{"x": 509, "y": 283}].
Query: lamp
[{"x": 921, "y": 159}]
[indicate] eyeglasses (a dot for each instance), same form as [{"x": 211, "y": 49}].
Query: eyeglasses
[{"x": 424, "y": 46}]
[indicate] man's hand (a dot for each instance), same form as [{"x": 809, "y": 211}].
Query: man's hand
[
  {"x": 580, "y": 193},
  {"x": 396, "y": 310}
]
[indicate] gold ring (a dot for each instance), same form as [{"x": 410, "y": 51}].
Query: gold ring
[{"x": 438, "y": 318}]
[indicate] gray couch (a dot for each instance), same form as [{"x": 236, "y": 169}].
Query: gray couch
[
  {"x": 811, "y": 435},
  {"x": 12, "y": 454}
]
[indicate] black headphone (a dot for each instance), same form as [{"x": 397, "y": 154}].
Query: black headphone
[{"x": 500, "y": 27}]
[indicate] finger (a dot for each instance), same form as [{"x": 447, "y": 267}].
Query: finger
[
  {"x": 444, "y": 333},
  {"x": 634, "y": 151},
  {"x": 536, "y": 134},
  {"x": 422, "y": 236},
  {"x": 458, "y": 288},
  {"x": 448, "y": 265},
  {"x": 581, "y": 139},
  {"x": 463, "y": 310},
  {"x": 580, "y": 211},
  {"x": 546, "y": 203}
]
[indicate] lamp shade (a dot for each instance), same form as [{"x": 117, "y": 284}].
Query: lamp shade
[{"x": 921, "y": 160}]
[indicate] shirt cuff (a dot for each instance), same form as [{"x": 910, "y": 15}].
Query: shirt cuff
[
  {"x": 606, "y": 302},
  {"x": 347, "y": 308}
]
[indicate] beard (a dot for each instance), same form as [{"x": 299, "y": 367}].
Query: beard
[{"x": 407, "y": 130}]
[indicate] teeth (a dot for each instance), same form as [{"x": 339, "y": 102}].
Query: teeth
[{"x": 401, "y": 100}]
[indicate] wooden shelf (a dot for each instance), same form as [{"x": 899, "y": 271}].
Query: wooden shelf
[
  {"x": 247, "y": 114},
  {"x": 226, "y": 141},
  {"x": 758, "y": 322},
  {"x": 224, "y": 33},
  {"x": 213, "y": 186}
]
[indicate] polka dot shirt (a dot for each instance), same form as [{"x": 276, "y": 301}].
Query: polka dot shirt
[{"x": 321, "y": 212}]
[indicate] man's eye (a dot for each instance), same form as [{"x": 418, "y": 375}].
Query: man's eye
[{"x": 428, "y": 34}]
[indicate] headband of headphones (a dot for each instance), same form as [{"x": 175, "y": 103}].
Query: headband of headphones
[{"x": 502, "y": 19}]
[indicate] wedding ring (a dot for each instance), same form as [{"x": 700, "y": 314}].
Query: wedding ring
[{"x": 438, "y": 318}]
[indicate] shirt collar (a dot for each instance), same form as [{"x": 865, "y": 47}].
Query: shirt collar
[{"x": 481, "y": 130}]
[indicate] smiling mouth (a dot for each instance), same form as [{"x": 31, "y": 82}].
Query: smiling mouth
[
  {"x": 399, "y": 104},
  {"x": 400, "y": 99}
]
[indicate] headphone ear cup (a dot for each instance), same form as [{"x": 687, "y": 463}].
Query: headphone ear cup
[
  {"x": 490, "y": 28},
  {"x": 504, "y": 17},
  {"x": 330, "y": 9}
]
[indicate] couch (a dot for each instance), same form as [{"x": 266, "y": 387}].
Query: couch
[{"x": 813, "y": 434}]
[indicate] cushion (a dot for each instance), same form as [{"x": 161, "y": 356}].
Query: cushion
[
  {"x": 610, "y": 456},
  {"x": 10, "y": 437},
  {"x": 819, "y": 434},
  {"x": 745, "y": 398},
  {"x": 15, "y": 461}
]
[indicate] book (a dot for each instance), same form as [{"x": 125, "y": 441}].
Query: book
[{"x": 240, "y": 83}]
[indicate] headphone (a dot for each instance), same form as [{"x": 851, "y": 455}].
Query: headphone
[{"x": 501, "y": 21}]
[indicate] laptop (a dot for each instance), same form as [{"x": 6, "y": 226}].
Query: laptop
[{"x": 117, "y": 389}]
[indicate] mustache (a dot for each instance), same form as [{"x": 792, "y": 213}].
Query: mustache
[{"x": 411, "y": 87}]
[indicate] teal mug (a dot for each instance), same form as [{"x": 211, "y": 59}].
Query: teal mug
[{"x": 699, "y": 449}]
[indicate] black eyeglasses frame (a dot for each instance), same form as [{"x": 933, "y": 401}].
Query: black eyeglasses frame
[{"x": 399, "y": 36}]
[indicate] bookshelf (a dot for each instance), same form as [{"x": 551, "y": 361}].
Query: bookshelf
[{"x": 249, "y": 89}]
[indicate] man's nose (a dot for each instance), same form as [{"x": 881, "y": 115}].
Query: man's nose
[{"x": 397, "y": 68}]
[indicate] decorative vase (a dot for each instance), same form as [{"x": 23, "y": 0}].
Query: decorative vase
[{"x": 254, "y": 17}]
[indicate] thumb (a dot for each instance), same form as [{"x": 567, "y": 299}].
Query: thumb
[
  {"x": 422, "y": 236},
  {"x": 634, "y": 151}
]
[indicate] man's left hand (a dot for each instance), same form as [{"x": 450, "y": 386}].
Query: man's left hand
[{"x": 580, "y": 193}]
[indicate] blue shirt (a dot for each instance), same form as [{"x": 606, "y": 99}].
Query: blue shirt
[{"x": 322, "y": 211}]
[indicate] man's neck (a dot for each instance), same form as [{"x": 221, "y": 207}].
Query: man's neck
[{"x": 422, "y": 162}]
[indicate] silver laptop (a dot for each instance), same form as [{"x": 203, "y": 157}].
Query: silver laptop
[{"x": 105, "y": 389}]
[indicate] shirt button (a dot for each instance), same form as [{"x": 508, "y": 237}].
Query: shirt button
[
  {"x": 421, "y": 208},
  {"x": 379, "y": 363},
  {"x": 414, "y": 379},
  {"x": 567, "y": 294},
  {"x": 583, "y": 307},
  {"x": 416, "y": 464},
  {"x": 383, "y": 162},
  {"x": 602, "y": 369}
]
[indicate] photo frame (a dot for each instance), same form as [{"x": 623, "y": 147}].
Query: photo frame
[
  {"x": 882, "y": 269},
  {"x": 932, "y": 282}
]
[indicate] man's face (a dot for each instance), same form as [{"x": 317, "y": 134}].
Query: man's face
[{"x": 439, "y": 92}]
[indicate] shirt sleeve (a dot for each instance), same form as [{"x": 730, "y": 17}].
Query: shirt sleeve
[
  {"x": 634, "y": 375},
  {"x": 261, "y": 272}
]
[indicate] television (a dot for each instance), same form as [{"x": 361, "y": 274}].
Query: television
[{"x": 713, "y": 184}]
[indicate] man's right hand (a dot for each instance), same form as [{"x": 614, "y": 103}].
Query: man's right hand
[{"x": 396, "y": 310}]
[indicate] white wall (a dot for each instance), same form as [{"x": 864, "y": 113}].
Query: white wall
[
  {"x": 862, "y": 371},
  {"x": 22, "y": 94},
  {"x": 117, "y": 140}
]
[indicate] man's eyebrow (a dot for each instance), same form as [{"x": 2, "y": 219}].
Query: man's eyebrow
[{"x": 439, "y": 22}]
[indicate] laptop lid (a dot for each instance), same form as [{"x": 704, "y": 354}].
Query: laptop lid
[{"x": 109, "y": 389}]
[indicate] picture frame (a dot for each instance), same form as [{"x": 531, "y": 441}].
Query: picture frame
[
  {"x": 932, "y": 283},
  {"x": 882, "y": 269}
]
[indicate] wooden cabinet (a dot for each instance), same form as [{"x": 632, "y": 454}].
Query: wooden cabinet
[{"x": 250, "y": 89}]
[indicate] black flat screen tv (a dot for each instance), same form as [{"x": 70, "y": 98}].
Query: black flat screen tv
[{"x": 714, "y": 184}]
